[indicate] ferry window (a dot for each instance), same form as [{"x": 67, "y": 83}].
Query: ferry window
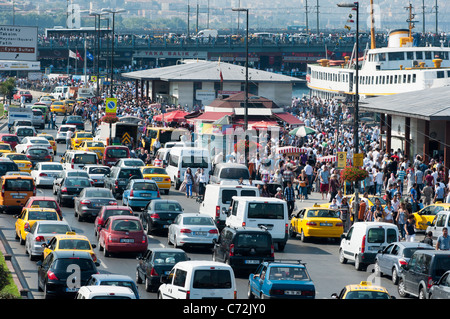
[
  {"x": 382, "y": 57},
  {"x": 419, "y": 55},
  {"x": 440, "y": 74},
  {"x": 376, "y": 80},
  {"x": 404, "y": 78},
  {"x": 410, "y": 55},
  {"x": 396, "y": 56},
  {"x": 384, "y": 80},
  {"x": 409, "y": 78},
  {"x": 448, "y": 74},
  {"x": 428, "y": 55},
  {"x": 414, "y": 78},
  {"x": 395, "y": 79},
  {"x": 441, "y": 55}
]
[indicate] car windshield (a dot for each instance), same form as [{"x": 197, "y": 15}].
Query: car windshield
[
  {"x": 38, "y": 152},
  {"x": 95, "y": 144},
  {"x": 39, "y": 141},
  {"x": 52, "y": 167},
  {"x": 85, "y": 264},
  {"x": 84, "y": 135},
  {"x": 45, "y": 204},
  {"x": 98, "y": 193},
  {"x": 5, "y": 147},
  {"x": 75, "y": 173},
  {"x": 99, "y": 170},
  {"x": 126, "y": 225},
  {"x": 253, "y": 240},
  {"x": 128, "y": 172},
  {"x": 234, "y": 173},
  {"x": 288, "y": 273},
  {"x": 42, "y": 215},
  {"x": 85, "y": 159},
  {"x": 74, "y": 119},
  {"x": 116, "y": 153},
  {"x": 18, "y": 157},
  {"x": 154, "y": 170},
  {"x": 25, "y": 185},
  {"x": 135, "y": 162},
  {"x": 168, "y": 258},
  {"x": 323, "y": 213},
  {"x": 113, "y": 212},
  {"x": 198, "y": 220},
  {"x": 194, "y": 162},
  {"x": 170, "y": 207},
  {"x": 75, "y": 244},
  {"x": 366, "y": 294},
  {"x": 212, "y": 279},
  {"x": 10, "y": 138},
  {"x": 266, "y": 210},
  {"x": 53, "y": 229},
  {"x": 25, "y": 131},
  {"x": 143, "y": 186},
  {"x": 77, "y": 182}
]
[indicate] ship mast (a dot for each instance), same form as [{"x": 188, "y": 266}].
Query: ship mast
[{"x": 372, "y": 27}]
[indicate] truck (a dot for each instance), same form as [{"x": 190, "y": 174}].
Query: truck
[
  {"x": 118, "y": 131},
  {"x": 19, "y": 114},
  {"x": 85, "y": 93},
  {"x": 61, "y": 93}
]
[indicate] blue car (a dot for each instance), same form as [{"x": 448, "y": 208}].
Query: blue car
[
  {"x": 281, "y": 280},
  {"x": 139, "y": 193}
]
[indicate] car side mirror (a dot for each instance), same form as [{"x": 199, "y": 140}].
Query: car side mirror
[
  {"x": 164, "y": 279},
  {"x": 94, "y": 245},
  {"x": 343, "y": 236},
  {"x": 39, "y": 263},
  {"x": 334, "y": 296}
]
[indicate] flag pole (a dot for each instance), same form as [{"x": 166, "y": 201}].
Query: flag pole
[{"x": 85, "y": 63}]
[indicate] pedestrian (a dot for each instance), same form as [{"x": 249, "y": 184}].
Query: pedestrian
[
  {"x": 54, "y": 121},
  {"x": 409, "y": 229},
  {"x": 428, "y": 238},
  {"x": 303, "y": 185},
  {"x": 202, "y": 180},
  {"x": 189, "y": 179},
  {"x": 344, "y": 211},
  {"x": 69, "y": 139},
  {"x": 289, "y": 197},
  {"x": 50, "y": 120},
  {"x": 402, "y": 216},
  {"x": 265, "y": 191},
  {"x": 288, "y": 176},
  {"x": 324, "y": 182},
  {"x": 443, "y": 241},
  {"x": 427, "y": 192},
  {"x": 414, "y": 198},
  {"x": 279, "y": 193},
  {"x": 388, "y": 213},
  {"x": 439, "y": 193}
]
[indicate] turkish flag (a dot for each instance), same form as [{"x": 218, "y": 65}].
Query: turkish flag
[{"x": 79, "y": 56}]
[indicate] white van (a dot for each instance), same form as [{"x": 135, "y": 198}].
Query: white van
[
  {"x": 105, "y": 292},
  {"x": 217, "y": 200},
  {"x": 441, "y": 220},
  {"x": 363, "y": 241},
  {"x": 207, "y": 33},
  {"x": 61, "y": 92},
  {"x": 199, "y": 279},
  {"x": 270, "y": 213},
  {"x": 78, "y": 159},
  {"x": 163, "y": 156},
  {"x": 229, "y": 172},
  {"x": 180, "y": 158}
]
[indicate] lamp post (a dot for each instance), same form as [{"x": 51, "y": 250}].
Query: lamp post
[
  {"x": 246, "y": 83},
  {"x": 97, "y": 39},
  {"x": 355, "y": 6},
  {"x": 113, "y": 12}
]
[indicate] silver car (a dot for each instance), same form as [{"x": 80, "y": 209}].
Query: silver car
[
  {"x": 389, "y": 260},
  {"x": 38, "y": 119},
  {"x": 441, "y": 289},
  {"x": 40, "y": 233},
  {"x": 97, "y": 174}
]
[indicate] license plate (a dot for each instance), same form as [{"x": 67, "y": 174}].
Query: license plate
[
  {"x": 18, "y": 196},
  {"x": 127, "y": 240},
  {"x": 157, "y": 179},
  {"x": 167, "y": 272},
  {"x": 252, "y": 262},
  {"x": 71, "y": 289},
  {"x": 199, "y": 233},
  {"x": 292, "y": 292},
  {"x": 146, "y": 195},
  {"x": 97, "y": 205},
  {"x": 326, "y": 224},
  {"x": 20, "y": 165},
  {"x": 165, "y": 226}
]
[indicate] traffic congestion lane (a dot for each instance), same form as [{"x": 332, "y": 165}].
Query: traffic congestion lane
[{"x": 321, "y": 256}]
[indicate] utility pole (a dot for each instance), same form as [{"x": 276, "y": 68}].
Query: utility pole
[
  {"x": 196, "y": 28},
  {"x": 306, "y": 13},
  {"x": 436, "y": 6},
  {"x": 423, "y": 16},
  {"x": 317, "y": 12}
]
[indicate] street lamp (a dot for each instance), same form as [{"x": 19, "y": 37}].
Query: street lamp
[
  {"x": 355, "y": 7},
  {"x": 97, "y": 39},
  {"x": 246, "y": 83},
  {"x": 113, "y": 12}
]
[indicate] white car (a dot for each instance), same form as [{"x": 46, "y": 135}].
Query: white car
[
  {"x": 62, "y": 132},
  {"x": 97, "y": 173},
  {"x": 29, "y": 141},
  {"x": 192, "y": 229},
  {"x": 44, "y": 173},
  {"x": 130, "y": 162}
]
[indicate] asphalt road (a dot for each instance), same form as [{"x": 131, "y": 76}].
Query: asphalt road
[{"x": 320, "y": 256}]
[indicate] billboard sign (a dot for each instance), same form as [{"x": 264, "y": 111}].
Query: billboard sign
[{"x": 18, "y": 43}]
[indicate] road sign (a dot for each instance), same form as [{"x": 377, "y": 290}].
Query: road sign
[
  {"x": 93, "y": 78},
  {"x": 358, "y": 160},
  {"x": 342, "y": 159},
  {"x": 126, "y": 138},
  {"x": 111, "y": 105}
]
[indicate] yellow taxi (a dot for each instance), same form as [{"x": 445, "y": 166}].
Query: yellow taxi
[
  {"x": 363, "y": 290},
  {"x": 70, "y": 241},
  {"x": 316, "y": 221},
  {"x": 97, "y": 147},
  {"x": 5, "y": 148},
  {"x": 425, "y": 216},
  {"x": 47, "y": 97},
  {"x": 69, "y": 105},
  {"x": 29, "y": 216},
  {"x": 80, "y": 100},
  {"x": 23, "y": 162},
  {"x": 80, "y": 137},
  {"x": 58, "y": 107},
  {"x": 51, "y": 140},
  {"x": 159, "y": 175}
]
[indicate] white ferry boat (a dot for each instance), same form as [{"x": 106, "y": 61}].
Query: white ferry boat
[{"x": 398, "y": 68}]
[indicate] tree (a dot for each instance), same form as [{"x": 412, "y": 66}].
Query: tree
[{"x": 7, "y": 87}]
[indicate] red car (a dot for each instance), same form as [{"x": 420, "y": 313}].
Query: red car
[
  {"x": 122, "y": 234},
  {"x": 113, "y": 153},
  {"x": 26, "y": 94},
  {"x": 11, "y": 139},
  {"x": 108, "y": 211},
  {"x": 44, "y": 202}
]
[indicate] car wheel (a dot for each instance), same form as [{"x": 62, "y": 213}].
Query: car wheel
[
  {"x": 342, "y": 259},
  {"x": 377, "y": 269},
  {"x": 175, "y": 242},
  {"x": 250, "y": 294},
  {"x": 292, "y": 233},
  {"x": 303, "y": 238},
  {"x": 21, "y": 241},
  {"x": 395, "y": 276},
  {"x": 148, "y": 286},
  {"x": 401, "y": 289},
  {"x": 169, "y": 243},
  {"x": 358, "y": 265},
  {"x": 422, "y": 293},
  {"x": 106, "y": 252},
  {"x": 138, "y": 277}
]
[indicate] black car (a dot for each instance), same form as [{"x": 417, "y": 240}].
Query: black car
[
  {"x": 155, "y": 263},
  {"x": 119, "y": 177},
  {"x": 75, "y": 120},
  {"x": 38, "y": 154},
  {"x": 62, "y": 273},
  {"x": 423, "y": 269},
  {"x": 441, "y": 288},
  {"x": 91, "y": 200},
  {"x": 244, "y": 248},
  {"x": 159, "y": 214},
  {"x": 70, "y": 188},
  {"x": 7, "y": 165}
]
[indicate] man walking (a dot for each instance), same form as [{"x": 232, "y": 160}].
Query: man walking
[
  {"x": 289, "y": 197},
  {"x": 443, "y": 241}
]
